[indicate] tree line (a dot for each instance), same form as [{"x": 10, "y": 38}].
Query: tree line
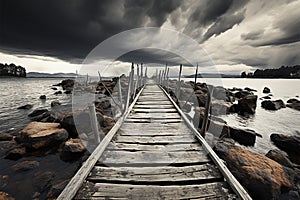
[
  {"x": 12, "y": 70},
  {"x": 282, "y": 72}
]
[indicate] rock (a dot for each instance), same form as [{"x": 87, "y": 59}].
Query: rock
[
  {"x": 55, "y": 103},
  {"x": 247, "y": 104},
  {"x": 43, "y": 180},
  {"x": 293, "y": 100},
  {"x": 108, "y": 123},
  {"x": 219, "y": 107},
  {"x": 265, "y": 97},
  {"x": 83, "y": 127},
  {"x": 241, "y": 94},
  {"x": 6, "y": 146},
  {"x": 25, "y": 107},
  {"x": 25, "y": 166},
  {"x": 56, "y": 189},
  {"x": 266, "y": 90},
  {"x": 54, "y": 88},
  {"x": 5, "y": 196},
  {"x": 280, "y": 157},
  {"x": 262, "y": 177},
  {"x": 294, "y": 105},
  {"x": 37, "y": 112},
  {"x": 16, "y": 153},
  {"x": 58, "y": 92},
  {"x": 67, "y": 84},
  {"x": 43, "y": 97},
  {"x": 245, "y": 137},
  {"x": 5, "y": 137},
  {"x": 201, "y": 99},
  {"x": 38, "y": 135},
  {"x": 219, "y": 93},
  {"x": 68, "y": 92},
  {"x": 249, "y": 89},
  {"x": 272, "y": 105},
  {"x": 288, "y": 143},
  {"x": 4, "y": 180},
  {"x": 72, "y": 149},
  {"x": 102, "y": 104}
]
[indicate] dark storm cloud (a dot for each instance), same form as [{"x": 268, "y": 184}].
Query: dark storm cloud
[
  {"x": 220, "y": 16},
  {"x": 223, "y": 24},
  {"x": 70, "y": 29},
  {"x": 150, "y": 55}
]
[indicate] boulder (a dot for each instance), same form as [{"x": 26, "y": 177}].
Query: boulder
[
  {"x": 293, "y": 100},
  {"x": 83, "y": 122},
  {"x": 280, "y": 157},
  {"x": 43, "y": 97},
  {"x": 25, "y": 165},
  {"x": 294, "y": 105},
  {"x": 245, "y": 137},
  {"x": 241, "y": 94},
  {"x": 219, "y": 93},
  {"x": 25, "y": 107},
  {"x": 67, "y": 84},
  {"x": 58, "y": 92},
  {"x": 250, "y": 90},
  {"x": 220, "y": 107},
  {"x": 6, "y": 146},
  {"x": 247, "y": 104},
  {"x": 266, "y": 90},
  {"x": 272, "y": 105},
  {"x": 16, "y": 153},
  {"x": 288, "y": 143},
  {"x": 55, "y": 103},
  {"x": 72, "y": 149},
  {"x": 201, "y": 99},
  {"x": 262, "y": 177},
  {"x": 54, "y": 88},
  {"x": 37, "y": 112},
  {"x": 265, "y": 97},
  {"x": 38, "y": 135},
  {"x": 102, "y": 104},
  {"x": 5, "y": 196},
  {"x": 5, "y": 136}
]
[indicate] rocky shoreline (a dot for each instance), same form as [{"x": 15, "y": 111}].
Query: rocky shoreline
[{"x": 53, "y": 132}]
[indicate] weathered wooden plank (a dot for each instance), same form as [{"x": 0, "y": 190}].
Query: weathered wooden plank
[
  {"x": 156, "y": 126},
  {"x": 153, "y": 103},
  {"x": 154, "y": 115},
  {"x": 155, "y": 147},
  {"x": 200, "y": 191},
  {"x": 152, "y": 132},
  {"x": 156, "y": 110},
  {"x": 155, "y": 174},
  {"x": 141, "y": 120},
  {"x": 155, "y": 139},
  {"x": 157, "y": 106},
  {"x": 149, "y": 158}
]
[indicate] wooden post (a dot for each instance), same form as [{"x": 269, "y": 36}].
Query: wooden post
[
  {"x": 94, "y": 123},
  {"x": 142, "y": 81},
  {"x": 100, "y": 77},
  {"x": 163, "y": 76},
  {"x": 146, "y": 71},
  {"x": 165, "y": 72},
  {"x": 138, "y": 76},
  {"x": 179, "y": 79},
  {"x": 167, "y": 75},
  {"x": 158, "y": 81},
  {"x": 129, "y": 88},
  {"x": 207, "y": 110},
  {"x": 87, "y": 79},
  {"x": 196, "y": 76},
  {"x": 120, "y": 95},
  {"x": 132, "y": 80},
  {"x": 156, "y": 76}
]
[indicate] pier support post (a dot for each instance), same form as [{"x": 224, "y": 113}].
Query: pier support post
[
  {"x": 94, "y": 123},
  {"x": 179, "y": 83}
]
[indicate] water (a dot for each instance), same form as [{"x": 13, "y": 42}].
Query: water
[
  {"x": 16, "y": 92},
  {"x": 264, "y": 122}
]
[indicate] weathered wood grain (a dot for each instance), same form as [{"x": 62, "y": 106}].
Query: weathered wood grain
[
  {"x": 156, "y": 139},
  {"x": 162, "y": 121},
  {"x": 134, "y": 115},
  {"x": 155, "y": 174},
  {"x": 155, "y": 147},
  {"x": 126, "y": 191},
  {"x": 157, "y": 110},
  {"x": 148, "y": 158}
]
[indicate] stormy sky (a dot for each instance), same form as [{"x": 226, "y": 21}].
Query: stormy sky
[{"x": 57, "y": 35}]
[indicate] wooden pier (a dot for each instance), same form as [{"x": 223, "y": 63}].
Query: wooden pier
[{"x": 153, "y": 152}]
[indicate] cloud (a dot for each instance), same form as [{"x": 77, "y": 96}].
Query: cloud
[{"x": 253, "y": 35}]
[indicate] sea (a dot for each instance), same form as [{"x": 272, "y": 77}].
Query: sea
[{"x": 16, "y": 92}]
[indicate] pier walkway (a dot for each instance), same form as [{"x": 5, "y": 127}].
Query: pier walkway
[{"x": 153, "y": 152}]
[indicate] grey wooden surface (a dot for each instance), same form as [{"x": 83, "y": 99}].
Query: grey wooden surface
[{"x": 154, "y": 155}]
